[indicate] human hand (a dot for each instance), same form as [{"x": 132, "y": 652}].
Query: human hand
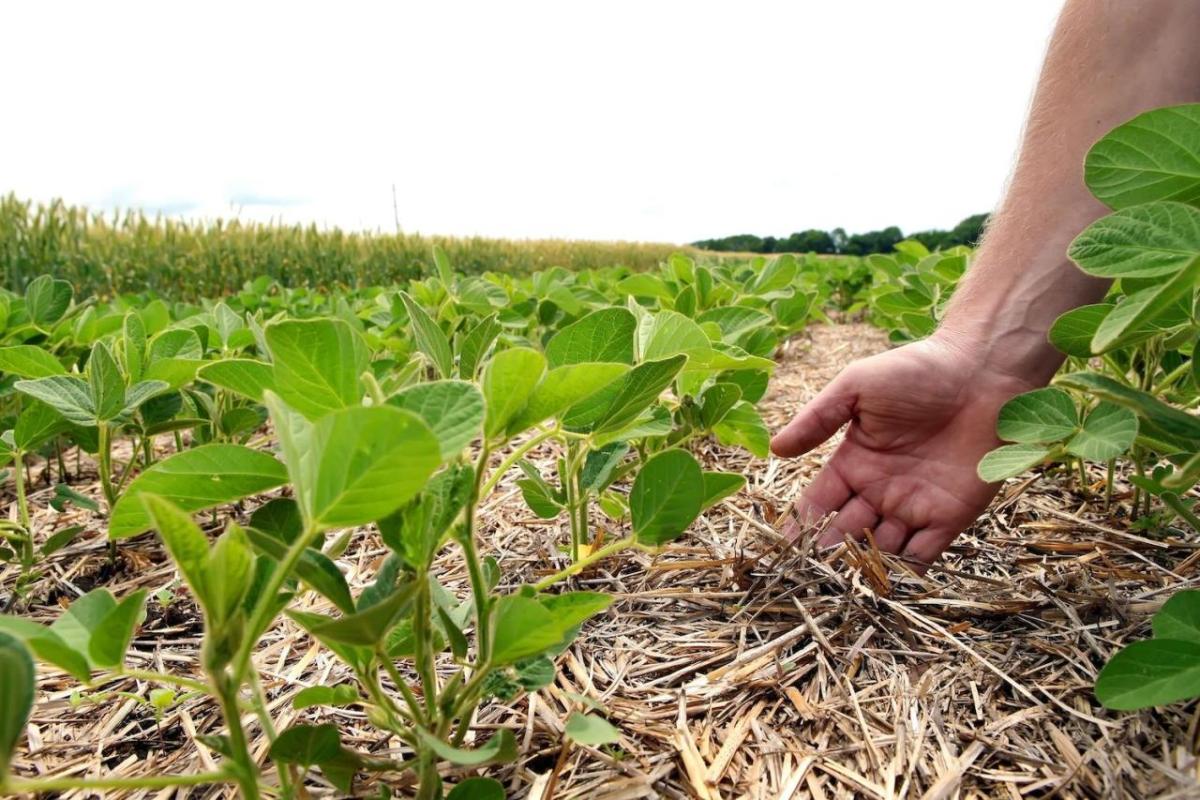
[{"x": 921, "y": 416}]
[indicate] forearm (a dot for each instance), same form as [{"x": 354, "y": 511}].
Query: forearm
[{"x": 1108, "y": 60}]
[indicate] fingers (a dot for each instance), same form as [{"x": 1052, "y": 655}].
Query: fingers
[
  {"x": 891, "y": 535},
  {"x": 856, "y": 515},
  {"x": 819, "y": 419},
  {"x": 827, "y": 492},
  {"x": 926, "y": 545}
]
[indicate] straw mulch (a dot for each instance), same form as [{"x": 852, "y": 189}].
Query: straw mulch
[{"x": 735, "y": 669}]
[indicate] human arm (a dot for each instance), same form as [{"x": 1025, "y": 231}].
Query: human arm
[{"x": 923, "y": 415}]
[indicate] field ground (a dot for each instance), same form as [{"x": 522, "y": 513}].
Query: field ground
[{"x": 732, "y": 672}]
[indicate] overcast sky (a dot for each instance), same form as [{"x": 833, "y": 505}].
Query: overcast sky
[{"x": 647, "y": 120}]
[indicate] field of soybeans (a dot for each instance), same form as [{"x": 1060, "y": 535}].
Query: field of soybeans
[{"x": 295, "y": 513}]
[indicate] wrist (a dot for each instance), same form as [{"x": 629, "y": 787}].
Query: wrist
[{"x": 1001, "y": 346}]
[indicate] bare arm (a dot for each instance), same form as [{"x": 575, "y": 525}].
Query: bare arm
[
  {"x": 922, "y": 416},
  {"x": 1108, "y": 61}
]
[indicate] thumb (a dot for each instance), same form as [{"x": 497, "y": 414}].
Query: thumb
[{"x": 820, "y": 418}]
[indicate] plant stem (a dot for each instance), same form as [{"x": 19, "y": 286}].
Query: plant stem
[
  {"x": 40, "y": 786},
  {"x": 1108, "y": 483},
  {"x": 423, "y": 645},
  {"x": 23, "y": 511},
  {"x": 163, "y": 677},
  {"x": 266, "y": 601},
  {"x": 1176, "y": 504},
  {"x": 247, "y": 777},
  {"x": 513, "y": 457},
  {"x": 105, "y": 465},
  {"x": 579, "y": 566}
]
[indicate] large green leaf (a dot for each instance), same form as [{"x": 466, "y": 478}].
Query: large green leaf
[
  {"x": 623, "y": 401},
  {"x": 666, "y": 497},
  {"x": 563, "y": 387},
  {"x": 184, "y": 540},
  {"x": 1126, "y": 320},
  {"x": 590, "y": 730},
  {"x": 1140, "y": 242},
  {"x": 735, "y": 321},
  {"x": 307, "y": 744},
  {"x": 367, "y": 628},
  {"x": 523, "y": 628},
  {"x": 1043, "y": 415},
  {"x": 194, "y": 480},
  {"x": 37, "y": 423},
  {"x": 244, "y": 376},
  {"x": 430, "y": 339},
  {"x": 82, "y": 617},
  {"x": 1179, "y": 618},
  {"x": 1150, "y": 673},
  {"x": 474, "y": 346},
  {"x": 1154, "y": 156},
  {"x": 356, "y": 465},
  {"x": 29, "y": 361},
  {"x": 1182, "y": 428},
  {"x": 110, "y": 639},
  {"x": 742, "y": 426},
  {"x": 66, "y": 394},
  {"x": 17, "y": 684},
  {"x": 314, "y": 568},
  {"x": 48, "y": 646},
  {"x": 106, "y": 383},
  {"x": 604, "y": 335},
  {"x": 477, "y": 789},
  {"x": 47, "y": 300},
  {"x": 453, "y": 410},
  {"x": 1011, "y": 460},
  {"x": 1072, "y": 332},
  {"x": 718, "y": 486},
  {"x": 508, "y": 381},
  {"x": 318, "y": 364},
  {"x": 1108, "y": 431}
]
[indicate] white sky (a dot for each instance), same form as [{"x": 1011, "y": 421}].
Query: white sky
[{"x": 648, "y": 120}]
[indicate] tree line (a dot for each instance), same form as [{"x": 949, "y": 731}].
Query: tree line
[{"x": 837, "y": 241}]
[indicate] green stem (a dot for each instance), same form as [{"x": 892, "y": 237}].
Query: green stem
[
  {"x": 259, "y": 620},
  {"x": 513, "y": 457},
  {"x": 23, "y": 510},
  {"x": 105, "y": 465},
  {"x": 1108, "y": 483},
  {"x": 1169, "y": 379},
  {"x": 579, "y": 566},
  {"x": 422, "y": 645},
  {"x": 479, "y": 588},
  {"x": 247, "y": 776},
  {"x": 1176, "y": 504},
  {"x": 163, "y": 677},
  {"x": 43, "y": 785}
]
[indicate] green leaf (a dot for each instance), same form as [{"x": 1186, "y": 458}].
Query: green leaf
[
  {"x": 670, "y": 333},
  {"x": 602, "y": 336},
  {"x": 1179, "y": 618},
  {"x": 717, "y": 401},
  {"x": 48, "y": 646},
  {"x": 314, "y": 568},
  {"x": 1011, "y": 460},
  {"x": 1145, "y": 241},
  {"x": 197, "y": 479},
  {"x": 1108, "y": 431},
  {"x": 317, "y": 364},
  {"x": 17, "y": 684},
  {"x": 508, "y": 381},
  {"x": 430, "y": 339},
  {"x": 29, "y": 361},
  {"x": 474, "y": 346},
  {"x": 37, "y": 424},
  {"x": 133, "y": 340},
  {"x": 718, "y": 486},
  {"x": 540, "y": 498},
  {"x": 590, "y": 730},
  {"x": 1043, "y": 415},
  {"x": 523, "y": 628},
  {"x": 1151, "y": 157},
  {"x": 624, "y": 400},
  {"x": 1181, "y": 427},
  {"x": 600, "y": 465},
  {"x": 178, "y": 343},
  {"x": 563, "y": 387},
  {"x": 643, "y": 284},
  {"x": 569, "y": 610},
  {"x": 185, "y": 542},
  {"x": 367, "y": 628},
  {"x": 666, "y": 497},
  {"x": 501, "y": 748},
  {"x": 1072, "y": 333},
  {"x": 453, "y": 410},
  {"x": 307, "y": 744},
  {"x": 735, "y": 321},
  {"x": 442, "y": 262},
  {"x": 67, "y": 395},
  {"x": 743, "y": 427},
  {"x": 356, "y": 465},
  {"x": 228, "y": 573},
  {"x": 47, "y": 300},
  {"x": 477, "y": 789},
  {"x": 82, "y": 617},
  {"x": 341, "y": 695},
  {"x": 1127, "y": 319},
  {"x": 110, "y": 639},
  {"x": 1150, "y": 673},
  {"x": 106, "y": 383},
  {"x": 243, "y": 376}
]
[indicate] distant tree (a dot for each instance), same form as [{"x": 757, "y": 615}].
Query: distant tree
[
  {"x": 966, "y": 232},
  {"x": 969, "y": 231},
  {"x": 809, "y": 241},
  {"x": 769, "y": 245},
  {"x": 838, "y": 235}
]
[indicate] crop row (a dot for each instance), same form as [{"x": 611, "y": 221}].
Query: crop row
[{"x": 397, "y": 409}]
